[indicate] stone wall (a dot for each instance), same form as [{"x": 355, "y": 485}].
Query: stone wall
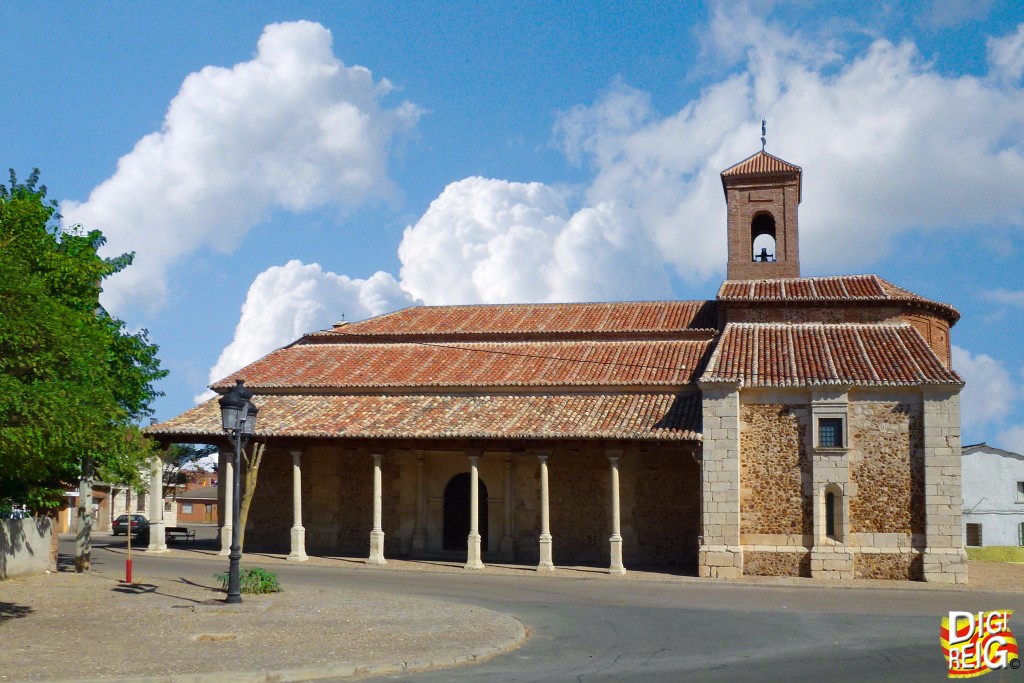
[
  {"x": 270, "y": 515},
  {"x": 666, "y": 508},
  {"x": 26, "y": 547},
  {"x": 888, "y": 469},
  {"x": 898, "y": 566},
  {"x": 580, "y": 507},
  {"x": 337, "y": 491},
  {"x": 759, "y": 563},
  {"x": 773, "y": 467}
]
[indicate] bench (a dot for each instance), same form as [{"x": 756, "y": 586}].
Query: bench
[{"x": 173, "y": 533}]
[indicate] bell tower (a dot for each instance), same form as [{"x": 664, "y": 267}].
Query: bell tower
[{"x": 761, "y": 195}]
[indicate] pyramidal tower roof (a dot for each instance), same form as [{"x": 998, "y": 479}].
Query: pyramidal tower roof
[
  {"x": 760, "y": 163},
  {"x": 764, "y": 165}
]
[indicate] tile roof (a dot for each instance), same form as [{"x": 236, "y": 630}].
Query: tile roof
[
  {"x": 477, "y": 364},
  {"x": 617, "y": 318},
  {"x": 760, "y": 163},
  {"x": 786, "y": 355},
  {"x": 841, "y": 289},
  {"x": 201, "y": 493},
  {"x": 648, "y": 416}
]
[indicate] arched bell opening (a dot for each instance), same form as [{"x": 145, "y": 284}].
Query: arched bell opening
[
  {"x": 456, "y": 513},
  {"x": 762, "y": 238}
]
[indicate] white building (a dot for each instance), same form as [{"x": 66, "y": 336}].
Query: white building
[{"x": 993, "y": 490}]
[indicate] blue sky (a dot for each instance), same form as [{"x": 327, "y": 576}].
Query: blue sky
[{"x": 277, "y": 166}]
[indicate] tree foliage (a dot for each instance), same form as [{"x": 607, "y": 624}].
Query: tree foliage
[{"x": 74, "y": 383}]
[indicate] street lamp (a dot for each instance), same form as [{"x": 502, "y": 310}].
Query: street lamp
[{"x": 238, "y": 415}]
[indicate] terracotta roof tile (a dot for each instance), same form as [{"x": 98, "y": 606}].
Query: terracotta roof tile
[
  {"x": 477, "y": 364},
  {"x": 758, "y": 163},
  {"x": 639, "y": 317},
  {"x": 837, "y": 289},
  {"x": 660, "y": 416},
  {"x": 777, "y": 355}
]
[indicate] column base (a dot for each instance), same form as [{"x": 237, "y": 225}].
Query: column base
[
  {"x": 225, "y": 540},
  {"x": 473, "y": 560},
  {"x": 376, "y": 548},
  {"x": 298, "y": 553},
  {"x": 545, "y": 563},
  {"x": 831, "y": 563},
  {"x": 721, "y": 562},
  {"x": 616, "y": 566},
  {"x": 157, "y": 538},
  {"x": 945, "y": 565}
]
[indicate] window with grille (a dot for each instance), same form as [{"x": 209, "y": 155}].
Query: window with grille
[
  {"x": 186, "y": 509},
  {"x": 1020, "y": 491},
  {"x": 974, "y": 535},
  {"x": 830, "y": 432}
]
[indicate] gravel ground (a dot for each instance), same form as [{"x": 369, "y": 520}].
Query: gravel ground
[
  {"x": 177, "y": 630},
  {"x": 67, "y": 626}
]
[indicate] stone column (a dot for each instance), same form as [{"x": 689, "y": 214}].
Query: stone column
[
  {"x": 225, "y": 482},
  {"x": 419, "y": 534},
  {"x": 615, "y": 541},
  {"x": 298, "y": 553},
  {"x": 507, "y": 548},
  {"x": 545, "y": 518},
  {"x": 721, "y": 555},
  {"x": 944, "y": 559},
  {"x": 377, "y": 535},
  {"x": 157, "y": 537},
  {"x": 473, "y": 560}
]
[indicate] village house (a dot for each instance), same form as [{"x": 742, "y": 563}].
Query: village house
[
  {"x": 791, "y": 426},
  {"x": 993, "y": 485}
]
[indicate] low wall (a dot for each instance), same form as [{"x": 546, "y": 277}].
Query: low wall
[{"x": 25, "y": 546}]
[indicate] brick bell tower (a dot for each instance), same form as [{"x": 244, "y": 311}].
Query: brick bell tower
[{"x": 761, "y": 194}]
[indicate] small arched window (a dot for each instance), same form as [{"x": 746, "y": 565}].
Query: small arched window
[
  {"x": 830, "y": 514},
  {"x": 762, "y": 237}
]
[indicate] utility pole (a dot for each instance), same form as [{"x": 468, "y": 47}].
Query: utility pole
[{"x": 83, "y": 539}]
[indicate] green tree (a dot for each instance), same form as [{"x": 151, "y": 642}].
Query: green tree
[{"x": 74, "y": 383}]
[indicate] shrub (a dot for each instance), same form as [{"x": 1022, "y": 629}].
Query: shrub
[{"x": 253, "y": 581}]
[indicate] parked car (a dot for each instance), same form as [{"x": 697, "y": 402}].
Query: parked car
[
  {"x": 15, "y": 514},
  {"x": 140, "y": 525}
]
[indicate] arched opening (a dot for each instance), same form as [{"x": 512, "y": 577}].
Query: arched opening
[
  {"x": 834, "y": 502},
  {"x": 830, "y": 514},
  {"x": 762, "y": 238},
  {"x": 456, "y": 513}
]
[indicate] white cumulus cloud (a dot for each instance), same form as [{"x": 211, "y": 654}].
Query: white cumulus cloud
[
  {"x": 292, "y": 128},
  {"x": 990, "y": 392},
  {"x": 495, "y": 241},
  {"x": 1006, "y": 55},
  {"x": 285, "y": 302}
]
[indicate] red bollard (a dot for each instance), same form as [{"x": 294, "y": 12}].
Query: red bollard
[{"x": 128, "y": 571}]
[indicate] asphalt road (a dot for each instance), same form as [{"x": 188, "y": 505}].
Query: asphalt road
[{"x": 597, "y": 628}]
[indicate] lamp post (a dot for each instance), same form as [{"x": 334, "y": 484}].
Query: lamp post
[{"x": 238, "y": 416}]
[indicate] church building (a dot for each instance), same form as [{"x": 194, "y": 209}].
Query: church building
[{"x": 792, "y": 426}]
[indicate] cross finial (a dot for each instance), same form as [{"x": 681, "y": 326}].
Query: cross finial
[{"x": 764, "y": 133}]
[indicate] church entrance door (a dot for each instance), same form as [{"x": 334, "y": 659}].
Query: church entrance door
[{"x": 456, "y": 513}]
